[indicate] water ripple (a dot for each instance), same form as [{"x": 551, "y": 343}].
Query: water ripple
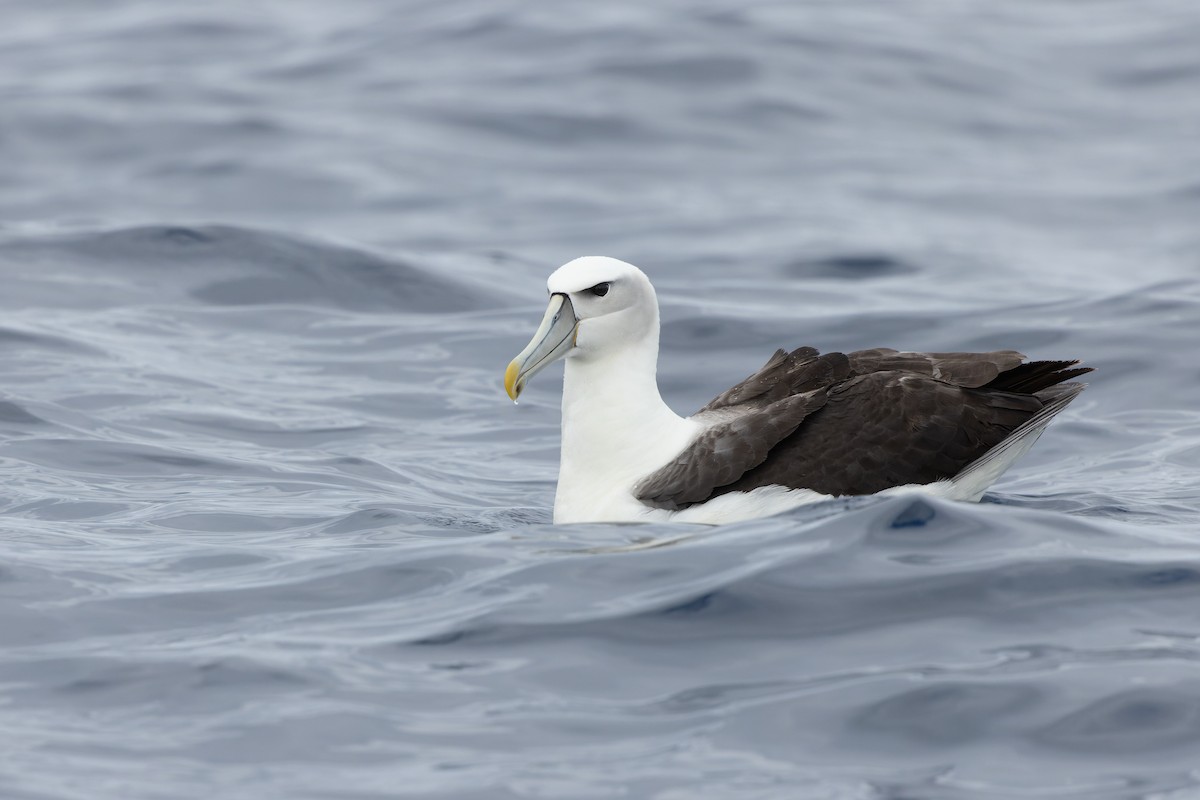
[{"x": 272, "y": 529}]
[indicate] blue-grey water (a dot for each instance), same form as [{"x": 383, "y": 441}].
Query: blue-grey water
[{"x": 269, "y": 527}]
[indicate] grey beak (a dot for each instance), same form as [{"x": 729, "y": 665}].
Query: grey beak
[{"x": 554, "y": 337}]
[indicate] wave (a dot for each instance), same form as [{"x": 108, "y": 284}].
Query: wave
[{"x": 228, "y": 265}]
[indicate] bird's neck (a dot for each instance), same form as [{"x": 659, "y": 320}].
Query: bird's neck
[{"x": 616, "y": 428}]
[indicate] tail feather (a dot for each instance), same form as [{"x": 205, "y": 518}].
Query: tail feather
[{"x": 1035, "y": 376}]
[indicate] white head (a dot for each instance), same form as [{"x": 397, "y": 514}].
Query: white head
[
  {"x": 598, "y": 306},
  {"x": 613, "y": 301}
]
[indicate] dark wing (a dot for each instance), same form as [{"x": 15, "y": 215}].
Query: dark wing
[
  {"x": 1000, "y": 369},
  {"x": 888, "y": 429},
  {"x": 970, "y": 370},
  {"x": 724, "y": 452},
  {"x": 804, "y": 369},
  {"x": 866, "y": 421},
  {"x": 784, "y": 374}
]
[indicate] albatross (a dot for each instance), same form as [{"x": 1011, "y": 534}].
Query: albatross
[{"x": 805, "y": 427}]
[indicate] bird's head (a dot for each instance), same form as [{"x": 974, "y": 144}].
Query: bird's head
[{"x": 598, "y": 306}]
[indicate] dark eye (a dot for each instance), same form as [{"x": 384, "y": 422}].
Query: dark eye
[{"x": 600, "y": 289}]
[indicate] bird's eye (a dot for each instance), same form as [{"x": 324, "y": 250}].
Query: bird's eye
[{"x": 600, "y": 289}]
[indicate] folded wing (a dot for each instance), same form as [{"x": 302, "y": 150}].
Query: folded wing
[{"x": 859, "y": 423}]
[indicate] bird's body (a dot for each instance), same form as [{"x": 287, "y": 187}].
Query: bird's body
[{"x": 802, "y": 428}]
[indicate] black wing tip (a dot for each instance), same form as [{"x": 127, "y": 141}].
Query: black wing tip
[{"x": 1036, "y": 376}]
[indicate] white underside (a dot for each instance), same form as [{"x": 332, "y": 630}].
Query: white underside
[{"x": 735, "y": 506}]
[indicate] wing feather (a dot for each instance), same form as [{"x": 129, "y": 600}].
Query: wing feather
[
  {"x": 858, "y": 423},
  {"x": 970, "y": 370},
  {"x": 784, "y": 374},
  {"x": 890, "y": 429},
  {"x": 724, "y": 452}
]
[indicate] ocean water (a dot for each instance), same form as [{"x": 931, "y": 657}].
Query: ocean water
[{"x": 269, "y": 527}]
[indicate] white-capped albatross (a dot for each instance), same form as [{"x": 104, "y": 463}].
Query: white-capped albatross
[{"x": 802, "y": 428}]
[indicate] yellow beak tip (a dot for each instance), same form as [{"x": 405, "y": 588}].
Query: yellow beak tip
[{"x": 510, "y": 380}]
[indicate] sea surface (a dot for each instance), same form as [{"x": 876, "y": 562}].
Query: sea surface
[{"x": 270, "y": 528}]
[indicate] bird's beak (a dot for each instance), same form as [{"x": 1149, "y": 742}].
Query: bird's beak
[{"x": 554, "y": 337}]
